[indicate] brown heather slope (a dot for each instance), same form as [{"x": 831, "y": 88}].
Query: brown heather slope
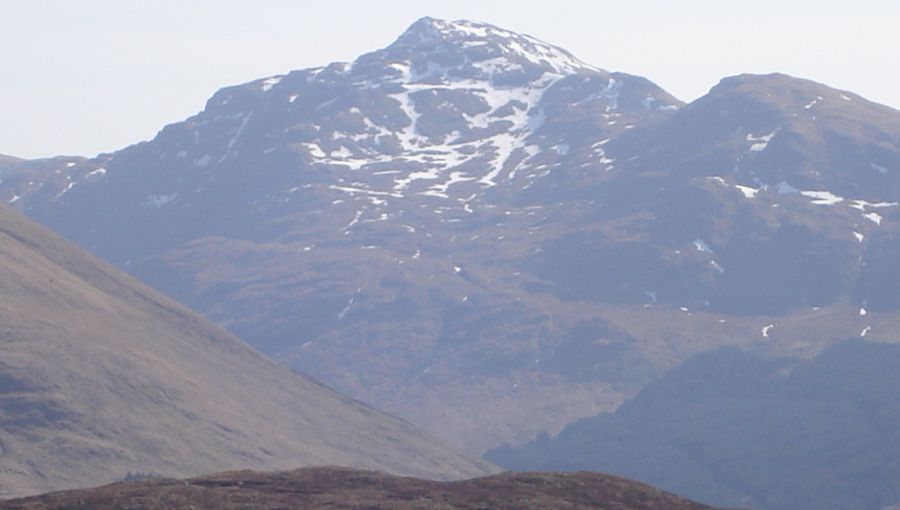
[
  {"x": 342, "y": 488},
  {"x": 101, "y": 376}
]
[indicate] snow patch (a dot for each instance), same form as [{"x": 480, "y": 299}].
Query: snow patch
[
  {"x": 873, "y": 217},
  {"x": 504, "y": 145},
  {"x": 761, "y": 142},
  {"x": 747, "y": 191},
  {"x": 862, "y": 204},
  {"x": 354, "y": 221},
  {"x": 314, "y": 150},
  {"x": 823, "y": 197},
  {"x": 64, "y": 191},
  {"x": 613, "y": 88},
  {"x": 268, "y": 83},
  {"x": 701, "y": 246},
  {"x": 346, "y": 309},
  {"x": 455, "y": 177}
]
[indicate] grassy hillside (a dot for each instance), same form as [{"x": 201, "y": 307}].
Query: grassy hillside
[{"x": 99, "y": 376}]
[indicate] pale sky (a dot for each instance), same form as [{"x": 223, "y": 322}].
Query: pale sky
[{"x": 89, "y": 76}]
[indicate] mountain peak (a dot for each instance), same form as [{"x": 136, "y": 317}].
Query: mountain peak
[
  {"x": 800, "y": 99},
  {"x": 428, "y": 30},
  {"x": 481, "y": 42},
  {"x": 765, "y": 82}
]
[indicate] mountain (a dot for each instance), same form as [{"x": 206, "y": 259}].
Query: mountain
[
  {"x": 763, "y": 181},
  {"x": 314, "y": 488},
  {"x": 478, "y": 232},
  {"x": 363, "y": 222},
  {"x": 732, "y": 427},
  {"x": 101, "y": 376}
]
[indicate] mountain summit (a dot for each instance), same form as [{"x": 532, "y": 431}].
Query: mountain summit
[{"x": 493, "y": 49}]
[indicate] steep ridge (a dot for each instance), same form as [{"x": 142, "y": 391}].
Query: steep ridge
[
  {"x": 101, "y": 376},
  {"x": 315, "y": 488}
]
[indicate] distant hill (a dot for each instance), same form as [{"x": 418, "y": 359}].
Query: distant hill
[
  {"x": 101, "y": 376},
  {"x": 736, "y": 429},
  {"x": 317, "y": 488}
]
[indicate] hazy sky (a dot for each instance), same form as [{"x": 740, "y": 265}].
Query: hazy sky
[{"x": 86, "y": 76}]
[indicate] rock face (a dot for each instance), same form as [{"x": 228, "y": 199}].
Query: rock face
[
  {"x": 101, "y": 376},
  {"x": 476, "y": 231},
  {"x": 315, "y": 488}
]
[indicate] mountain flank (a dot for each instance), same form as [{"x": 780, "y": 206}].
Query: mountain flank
[{"x": 101, "y": 376}]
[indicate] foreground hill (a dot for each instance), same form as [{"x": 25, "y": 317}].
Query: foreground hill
[
  {"x": 737, "y": 429},
  {"x": 340, "y": 488},
  {"x": 100, "y": 375}
]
